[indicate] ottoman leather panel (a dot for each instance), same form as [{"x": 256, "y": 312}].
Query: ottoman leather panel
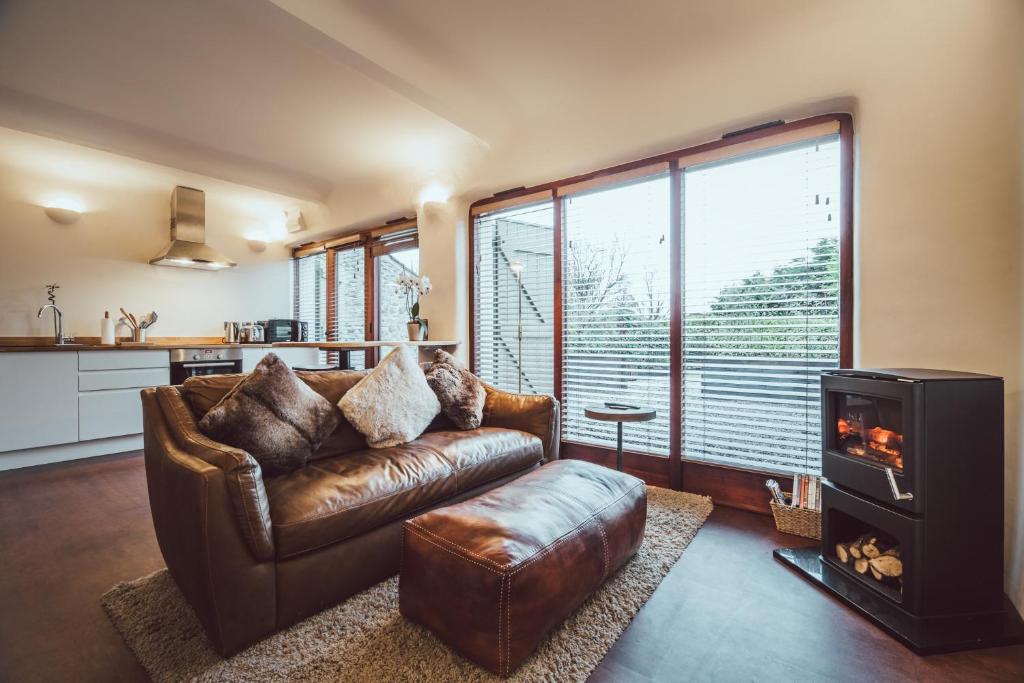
[{"x": 492, "y": 575}]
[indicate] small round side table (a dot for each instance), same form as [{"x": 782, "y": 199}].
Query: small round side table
[{"x": 619, "y": 415}]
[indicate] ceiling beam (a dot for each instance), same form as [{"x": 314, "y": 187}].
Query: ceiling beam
[{"x": 31, "y": 114}]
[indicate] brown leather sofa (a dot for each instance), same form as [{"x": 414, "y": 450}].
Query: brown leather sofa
[{"x": 253, "y": 555}]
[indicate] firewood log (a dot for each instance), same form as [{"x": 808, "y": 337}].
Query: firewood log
[
  {"x": 875, "y": 573},
  {"x": 856, "y": 548},
  {"x": 842, "y": 553},
  {"x": 870, "y": 549},
  {"x": 861, "y": 565},
  {"x": 888, "y": 565}
]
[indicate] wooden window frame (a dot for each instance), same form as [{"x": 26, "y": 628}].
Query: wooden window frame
[
  {"x": 367, "y": 240},
  {"x": 730, "y": 486}
]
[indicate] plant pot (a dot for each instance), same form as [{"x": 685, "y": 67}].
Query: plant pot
[{"x": 416, "y": 331}]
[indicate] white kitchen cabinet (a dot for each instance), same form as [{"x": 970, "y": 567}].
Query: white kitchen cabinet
[
  {"x": 103, "y": 414},
  {"x": 123, "y": 379},
  {"x": 301, "y": 357},
  {"x": 123, "y": 360},
  {"x": 109, "y": 384},
  {"x": 38, "y": 399}
]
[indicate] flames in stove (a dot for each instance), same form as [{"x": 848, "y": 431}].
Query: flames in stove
[{"x": 874, "y": 443}]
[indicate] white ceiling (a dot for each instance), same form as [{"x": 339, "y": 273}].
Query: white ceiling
[{"x": 360, "y": 103}]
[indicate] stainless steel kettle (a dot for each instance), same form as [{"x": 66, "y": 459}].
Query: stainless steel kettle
[{"x": 231, "y": 332}]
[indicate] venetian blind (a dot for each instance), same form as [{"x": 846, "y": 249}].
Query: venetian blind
[
  {"x": 309, "y": 293},
  {"x": 350, "y": 299},
  {"x": 616, "y": 286},
  {"x": 514, "y": 313},
  {"x": 760, "y": 304}
]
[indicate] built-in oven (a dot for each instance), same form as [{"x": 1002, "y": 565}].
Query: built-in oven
[{"x": 187, "y": 363}]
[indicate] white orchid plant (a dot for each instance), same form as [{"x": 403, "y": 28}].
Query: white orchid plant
[{"x": 413, "y": 286}]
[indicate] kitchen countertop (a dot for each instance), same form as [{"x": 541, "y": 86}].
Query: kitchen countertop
[{"x": 156, "y": 346}]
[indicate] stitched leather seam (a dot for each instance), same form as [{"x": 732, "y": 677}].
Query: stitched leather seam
[
  {"x": 447, "y": 550},
  {"x": 571, "y": 533},
  {"x": 333, "y": 513},
  {"x": 508, "y": 625},
  {"x": 501, "y": 596},
  {"x": 456, "y": 545},
  {"x": 604, "y": 543}
]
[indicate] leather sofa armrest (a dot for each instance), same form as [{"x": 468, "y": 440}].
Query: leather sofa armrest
[
  {"x": 193, "y": 504},
  {"x": 536, "y": 414},
  {"x": 241, "y": 472}
]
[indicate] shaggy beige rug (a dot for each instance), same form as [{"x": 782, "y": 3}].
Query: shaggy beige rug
[{"x": 366, "y": 639}]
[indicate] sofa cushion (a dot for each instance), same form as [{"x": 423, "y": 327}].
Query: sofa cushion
[
  {"x": 336, "y": 498},
  {"x": 203, "y": 392},
  {"x": 459, "y": 391},
  {"x": 481, "y": 455},
  {"x": 393, "y": 404},
  {"x": 272, "y": 415}
]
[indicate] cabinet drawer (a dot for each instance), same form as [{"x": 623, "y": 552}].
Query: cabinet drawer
[
  {"x": 122, "y": 360},
  {"x": 123, "y": 379},
  {"x": 103, "y": 414}
]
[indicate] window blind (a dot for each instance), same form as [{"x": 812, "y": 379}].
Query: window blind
[
  {"x": 394, "y": 239},
  {"x": 350, "y": 299},
  {"x": 616, "y": 287},
  {"x": 514, "y": 314},
  {"x": 760, "y": 304},
  {"x": 309, "y": 293}
]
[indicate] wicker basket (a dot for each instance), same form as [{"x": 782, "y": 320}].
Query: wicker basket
[{"x": 798, "y": 521}]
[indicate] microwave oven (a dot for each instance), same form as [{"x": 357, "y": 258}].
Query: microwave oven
[{"x": 283, "y": 330}]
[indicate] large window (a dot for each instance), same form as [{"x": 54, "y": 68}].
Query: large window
[
  {"x": 513, "y": 300},
  {"x": 761, "y": 305},
  {"x": 309, "y": 294},
  {"x": 616, "y": 310},
  {"x": 706, "y": 285},
  {"x": 392, "y": 310},
  {"x": 344, "y": 288},
  {"x": 350, "y": 299}
]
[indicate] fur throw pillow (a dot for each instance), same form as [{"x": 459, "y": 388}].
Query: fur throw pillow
[
  {"x": 274, "y": 416},
  {"x": 459, "y": 391},
  {"x": 393, "y": 404}
]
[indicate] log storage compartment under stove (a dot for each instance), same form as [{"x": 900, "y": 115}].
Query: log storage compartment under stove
[{"x": 912, "y": 506}]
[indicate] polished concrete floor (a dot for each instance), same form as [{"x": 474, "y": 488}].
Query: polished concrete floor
[{"x": 726, "y": 612}]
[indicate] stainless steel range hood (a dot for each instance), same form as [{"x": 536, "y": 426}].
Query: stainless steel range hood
[{"x": 188, "y": 248}]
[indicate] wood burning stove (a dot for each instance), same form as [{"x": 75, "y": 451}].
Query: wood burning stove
[{"x": 912, "y": 505}]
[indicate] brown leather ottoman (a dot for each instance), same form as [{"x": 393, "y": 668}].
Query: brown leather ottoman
[{"x": 492, "y": 575}]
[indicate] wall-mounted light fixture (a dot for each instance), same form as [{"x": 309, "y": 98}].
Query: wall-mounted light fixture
[
  {"x": 257, "y": 245},
  {"x": 62, "y": 208},
  {"x": 434, "y": 193},
  {"x": 61, "y": 215}
]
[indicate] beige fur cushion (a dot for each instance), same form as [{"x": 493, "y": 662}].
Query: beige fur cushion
[
  {"x": 274, "y": 416},
  {"x": 393, "y": 404},
  {"x": 457, "y": 389}
]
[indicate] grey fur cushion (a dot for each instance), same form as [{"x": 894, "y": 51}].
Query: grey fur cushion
[
  {"x": 458, "y": 390},
  {"x": 274, "y": 416}
]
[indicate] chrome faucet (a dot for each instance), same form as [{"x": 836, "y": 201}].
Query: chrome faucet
[
  {"x": 58, "y": 318},
  {"x": 58, "y": 324}
]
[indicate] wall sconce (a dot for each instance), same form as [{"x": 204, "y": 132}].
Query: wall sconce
[
  {"x": 257, "y": 245},
  {"x": 61, "y": 215},
  {"x": 434, "y": 193}
]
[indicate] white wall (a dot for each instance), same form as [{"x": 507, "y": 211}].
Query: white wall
[
  {"x": 443, "y": 254},
  {"x": 101, "y": 262}
]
